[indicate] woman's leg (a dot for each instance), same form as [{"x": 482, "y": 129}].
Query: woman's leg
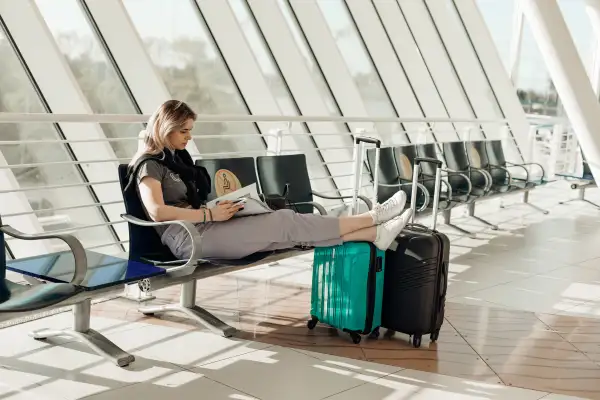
[
  {"x": 355, "y": 223},
  {"x": 379, "y": 214},
  {"x": 381, "y": 235},
  {"x": 363, "y": 235},
  {"x": 240, "y": 237}
]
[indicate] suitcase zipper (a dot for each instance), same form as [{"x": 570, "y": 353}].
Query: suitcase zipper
[
  {"x": 440, "y": 273},
  {"x": 375, "y": 264}
]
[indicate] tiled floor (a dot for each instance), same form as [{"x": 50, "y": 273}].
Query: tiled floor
[{"x": 522, "y": 322}]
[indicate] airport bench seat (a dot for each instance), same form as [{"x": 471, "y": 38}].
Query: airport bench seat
[
  {"x": 145, "y": 246},
  {"x": 68, "y": 278}
]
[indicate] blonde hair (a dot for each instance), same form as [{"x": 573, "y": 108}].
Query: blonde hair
[{"x": 170, "y": 116}]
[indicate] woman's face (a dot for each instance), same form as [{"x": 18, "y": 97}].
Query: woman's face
[{"x": 179, "y": 138}]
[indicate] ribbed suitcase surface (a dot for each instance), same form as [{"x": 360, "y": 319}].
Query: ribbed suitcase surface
[
  {"x": 416, "y": 280},
  {"x": 347, "y": 287}
]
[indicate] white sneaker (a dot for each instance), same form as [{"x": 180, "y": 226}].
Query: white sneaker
[
  {"x": 389, "y": 209},
  {"x": 387, "y": 232}
]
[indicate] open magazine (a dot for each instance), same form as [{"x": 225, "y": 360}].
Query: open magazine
[{"x": 253, "y": 204}]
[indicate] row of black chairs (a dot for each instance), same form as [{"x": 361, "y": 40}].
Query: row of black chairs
[{"x": 475, "y": 170}]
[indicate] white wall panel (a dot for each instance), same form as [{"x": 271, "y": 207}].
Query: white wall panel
[
  {"x": 388, "y": 65},
  {"x": 497, "y": 80},
  {"x": 63, "y": 95},
  {"x": 416, "y": 69},
  {"x": 291, "y": 61}
]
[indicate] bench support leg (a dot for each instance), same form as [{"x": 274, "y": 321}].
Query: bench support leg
[
  {"x": 187, "y": 305},
  {"x": 471, "y": 211},
  {"x": 580, "y": 197},
  {"x": 447, "y": 215},
  {"x": 526, "y": 201},
  {"x": 81, "y": 332}
]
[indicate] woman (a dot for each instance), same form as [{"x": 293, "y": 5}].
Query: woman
[{"x": 171, "y": 188}]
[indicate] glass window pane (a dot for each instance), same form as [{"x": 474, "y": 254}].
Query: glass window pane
[
  {"x": 263, "y": 57},
  {"x": 181, "y": 48},
  {"x": 358, "y": 61},
  {"x": 280, "y": 91},
  {"x": 498, "y": 15},
  {"x": 18, "y": 95},
  {"x": 535, "y": 88},
  {"x": 95, "y": 74},
  {"x": 580, "y": 26},
  {"x": 313, "y": 67}
]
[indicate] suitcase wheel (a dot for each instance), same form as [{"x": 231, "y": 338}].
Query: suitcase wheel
[
  {"x": 355, "y": 337},
  {"x": 435, "y": 335},
  {"x": 312, "y": 323},
  {"x": 375, "y": 334},
  {"x": 417, "y": 341}
]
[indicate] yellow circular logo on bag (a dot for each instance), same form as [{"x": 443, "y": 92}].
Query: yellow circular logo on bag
[
  {"x": 226, "y": 182},
  {"x": 475, "y": 159},
  {"x": 405, "y": 167}
]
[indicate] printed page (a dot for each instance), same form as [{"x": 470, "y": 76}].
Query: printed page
[
  {"x": 249, "y": 191},
  {"x": 253, "y": 206}
]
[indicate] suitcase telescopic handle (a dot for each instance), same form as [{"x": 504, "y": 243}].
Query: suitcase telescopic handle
[
  {"x": 436, "y": 191},
  {"x": 366, "y": 139},
  {"x": 429, "y": 160}
]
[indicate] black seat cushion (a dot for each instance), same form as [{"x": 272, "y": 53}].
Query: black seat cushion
[
  {"x": 275, "y": 172},
  {"x": 457, "y": 159},
  {"x": 144, "y": 242},
  {"x": 427, "y": 179},
  {"x": 478, "y": 156},
  {"x": 21, "y": 298},
  {"x": 229, "y": 174}
]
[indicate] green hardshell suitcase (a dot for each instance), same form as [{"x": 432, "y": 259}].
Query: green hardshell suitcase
[{"x": 347, "y": 282}]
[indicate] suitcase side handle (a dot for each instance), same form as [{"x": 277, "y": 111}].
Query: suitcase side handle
[{"x": 443, "y": 280}]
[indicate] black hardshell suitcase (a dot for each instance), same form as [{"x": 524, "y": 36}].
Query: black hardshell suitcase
[{"x": 416, "y": 274}]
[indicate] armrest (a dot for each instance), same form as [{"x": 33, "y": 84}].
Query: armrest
[
  {"x": 532, "y": 163},
  {"x": 187, "y": 225},
  {"x": 486, "y": 176},
  {"x": 445, "y": 183},
  {"x": 363, "y": 198},
  {"x": 491, "y": 166},
  {"x": 419, "y": 186},
  {"x": 73, "y": 243},
  {"x": 520, "y": 166},
  {"x": 315, "y": 205},
  {"x": 450, "y": 172}
]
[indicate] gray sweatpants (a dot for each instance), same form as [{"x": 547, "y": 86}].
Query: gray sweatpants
[{"x": 240, "y": 237}]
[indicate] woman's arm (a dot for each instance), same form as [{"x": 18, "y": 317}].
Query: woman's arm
[{"x": 152, "y": 197}]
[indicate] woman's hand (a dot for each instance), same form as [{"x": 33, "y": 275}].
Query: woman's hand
[{"x": 225, "y": 210}]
